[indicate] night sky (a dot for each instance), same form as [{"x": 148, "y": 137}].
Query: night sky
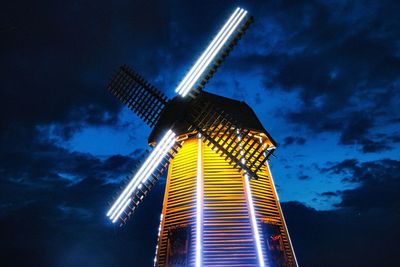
[{"x": 322, "y": 76}]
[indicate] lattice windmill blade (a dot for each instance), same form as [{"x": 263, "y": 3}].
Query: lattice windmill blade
[
  {"x": 139, "y": 95},
  {"x": 226, "y": 136},
  {"x": 143, "y": 180},
  {"x": 215, "y": 53}
]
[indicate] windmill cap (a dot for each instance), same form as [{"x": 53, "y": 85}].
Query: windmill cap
[{"x": 176, "y": 115}]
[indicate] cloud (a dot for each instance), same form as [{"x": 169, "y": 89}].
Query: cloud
[
  {"x": 330, "y": 194},
  {"x": 290, "y": 140},
  {"x": 53, "y": 205},
  {"x": 370, "y": 146},
  {"x": 45, "y": 164},
  {"x": 68, "y": 227},
  {"x": 341, "y": 237},
  {"x": 367, "y": 214},
  {"x": 380, "y": 184},
  {"x": 304, "y": 177}
]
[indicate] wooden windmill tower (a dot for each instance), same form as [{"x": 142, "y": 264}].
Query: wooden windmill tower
[{"x": 220, "y": 205}]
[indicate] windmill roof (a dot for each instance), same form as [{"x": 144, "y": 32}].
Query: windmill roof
[
  {"x": 239, "y": 111},
  {"x": 174, "y": 114}
]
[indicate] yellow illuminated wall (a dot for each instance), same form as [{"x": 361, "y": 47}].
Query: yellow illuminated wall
[
  {"x": 180, "y": 196},
  {"x": 227, "y": 236}
]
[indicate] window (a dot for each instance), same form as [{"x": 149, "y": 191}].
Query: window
[
  {"x": 274, "y": 244},
  {"x": 178, "y": 246}
]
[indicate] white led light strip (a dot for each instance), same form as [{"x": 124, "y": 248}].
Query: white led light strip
[
  {"x": 254, "y": 221},
  {"x": 148, "y": 167},
  {"x": 210, "y": 47},
  {"x": 136, "y": 179},
  {"x": 214, "y": 53},
  {"x": 215, "y": 46},
  {"x": 199, "y": 205},
  {"x": 253, "y": 218}
]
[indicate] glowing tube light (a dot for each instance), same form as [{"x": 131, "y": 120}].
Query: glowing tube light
[
  {"x": 206, "y": 52},
  {"x": 210, "y": 53},
  {"x": 135, "y": 180},
  {"x": 212, "y": 56},
  {"x": 199, "y": 206},
  {"x": 146, "y": 174},
  {"x": 120, "y": 209},
  {"x": 253, "y": 219},
  {"x": 142, "y": 175}
]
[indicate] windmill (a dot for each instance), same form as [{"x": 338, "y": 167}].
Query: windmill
[{"x": 220, "y": 204}]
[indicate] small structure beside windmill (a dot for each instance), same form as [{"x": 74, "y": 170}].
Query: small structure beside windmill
[{"x": 220, "y": 205}]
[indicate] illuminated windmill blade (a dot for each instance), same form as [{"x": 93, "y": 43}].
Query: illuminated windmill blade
[
  {"x": 223, "y": 134},
  {"x": 144, "y": 179},
  {"x": 215, "y": 53},
  {"x": 139, "y": 95},
  {"x": 222, "y": 55}
]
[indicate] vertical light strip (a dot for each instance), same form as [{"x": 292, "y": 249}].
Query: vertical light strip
[
  {"x": 253, "y": 218},
  {"x": 206, "y": 52},
  {"x": 199, "y": 205},
  {"x": 280, "y": 210},
  {"x": 211, "y": 57},
  {"x": 254, "y": 221}
]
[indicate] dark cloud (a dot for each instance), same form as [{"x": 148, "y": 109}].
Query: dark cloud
[
  {"x": 66, "y": 226},
  {"x": 357, "y": 132},
  {"x": 53, "y": 204},
  {"x": 344, "y": 167},
  {"x": 342, "y": 237},
  {"x": 379, "y": 185},
  {"x": 370, "y": 146},
  {"x": 368, "y": 214},
  {"x": 357, "y": 126},
  {"x": 290, "y": 140},
  {"x": 46, "y": 163},
  {"x": 304, "y": 177},
  {"x": 330, "y": 194}
]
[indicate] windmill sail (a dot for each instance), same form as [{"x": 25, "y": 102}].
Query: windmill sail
[
  {"x": 144, "y": 179},
  {"x": 239, "y": 146},
  {"x": 139, "y": 95},
  {"x": 215, "y": 53}
]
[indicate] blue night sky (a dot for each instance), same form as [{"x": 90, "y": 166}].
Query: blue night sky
[{"x": 322, "y": 76}]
